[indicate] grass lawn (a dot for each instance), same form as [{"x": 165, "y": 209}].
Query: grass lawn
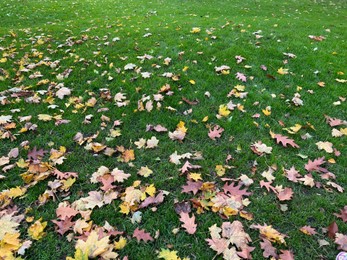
[{"x": 118, "y": 119}]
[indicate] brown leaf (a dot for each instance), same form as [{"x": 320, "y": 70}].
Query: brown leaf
[
  {"x": 183, "y": 206},
  {"x": 141, "y": 234},
  {"x": 63, "y": 226},
  {"x": 188, "y": 223},
  {"x": 192, "y": 103},
  {"x": 332, "y": 230}
]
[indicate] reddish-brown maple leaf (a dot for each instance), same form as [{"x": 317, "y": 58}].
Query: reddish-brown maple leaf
[
  {"x": 187, "y": 165},
  {"x": 192, "y": 186},
  {"x": 332, "y": 230},
  {"x": 315, "y": 166},
  {"x": 284, "y": 140},
  {"x": 36, "y": 154},
  {"x": 216, "y": 132},
  {"x": 269, "y": 250},
  {"x": 308, "y": 230},
  {"x": 286, "y": 255},
  {"x": 66, "y": 212},
  {"x": 292, "y": 174},
  {"x": 141, "y": 234},
  {"x": 188, "y": 223},
  {"x": 63, "y": 226},
  {"x": 343, "y": 214},
  {"x": 235, "y": 190},
  {"x": 152, "y": 200},
  {"x": 285, "y": 194},
  {"x": 341, "y": 241}
]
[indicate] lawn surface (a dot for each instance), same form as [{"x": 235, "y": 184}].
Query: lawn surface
[{"x": 125, "y": 127}]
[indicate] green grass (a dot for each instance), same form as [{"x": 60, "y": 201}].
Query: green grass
[{"x": 285, "y": 27}]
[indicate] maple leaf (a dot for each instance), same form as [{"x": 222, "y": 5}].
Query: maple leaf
[
  {"x": 240, "y": 76},
  {"x": 141, "y": 234},
  {"x": 36, "y": 154},
  {"x": 308, "y": 230},
  {"x": 152, "y": 143},
  {"x": 145, "y": 171},
  {"x": 153, "y": 200},
  {"x": 286, "y": 255},
  {"x": 218, "y": 244},
  {"x": 119, "y": 175},
  {"x": 192, "y": 186},
  {"x": 236, "y": 234},
  {"x": 341, "y": 241},
  {"x": 308, "y": 180},
  {"x": 183, "y": 206},
  {"x": 93, "y": 246},
  {"x": 64, "y": 212},
  {"x": 260, "y": 148},
  {"x": 292, "y": 174},
  {"x": 282, "y": 71},
  {"x": 284, "y": 140},
  {"x": 343, "y": 214},
  {"x": 62, "y": 92},
  {"x": 270, "y": 233},
  {"x": 230, "y": 254},
  {"x": 269, "y": 250},
  {"x": 216, "y": 132},
  {"x": 312, "y": 166},
  {"x": 106, "y": 181},
  {"x": 64, "y": 225},
  {"x": 285, "y": 194},
  {"x": 235, "y": 190},
  {"x": 94, "y": 199},
  {"x": 188, "y": 223},
  {"x": 166, "y": 254},
  {"x": 8, "y": 224},
  {"x": 35, "y": 231},
  {"x": 5, "y": 119}
]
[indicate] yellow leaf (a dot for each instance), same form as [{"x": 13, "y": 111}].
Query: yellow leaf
[
  {"x": 40, "y": 41},
  {"x": 181, "y": 127},
  {"x": 266, "y": 111},
  {"x": 35, "y": 231},
  {"x": 293, "y": 129},
  {"x": 44, "y": 117},
  {"x": 17, "y": 192},
  {"x": 220, "y": 170},
  {"x": 145, "y": 172},
  {"x": 332, "y": 160},
  {"x": 93, "y": 247},
  {"x": 205, "y": 119},
  {"x": 223, "y": 110},
  {"x": 150, "y": 190},
  {"x": 124, "y": 208},
  {"x": 195, "y": 30},
  {"x": 192, "y": 82},
  {"x": 3, "y": 60},
  {"x": 240, "y": 87},
  {"x": 68, "y": 183},
  {"x": 282, "y": 71},
  {"x": 120, "y": 244},
  {"x": 195, "y": 176},
  {"x": 343, "y": 131},
  {"x": 185, "y": 68},
  {"x": 168, "y": 255}
]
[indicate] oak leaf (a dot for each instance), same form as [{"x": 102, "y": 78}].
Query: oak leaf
[
  {"x": 235, "y": 190},
  {"x": 308, "y": 230},
  {"x": 188, "y": 223},
  {"x": 284, "y": 140},
  {"x": 269, "y": 250},
  {"x": 343, "y": 214},
  {"x": 286, "y": 255},
  {"x": 341, "y": 241},
  {"x": 216, "y": 132},
  {"x": 141, "y": 234},
  {"x": 192, "y": 186}
]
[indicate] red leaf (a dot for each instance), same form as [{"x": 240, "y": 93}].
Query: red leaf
[
  {"x": 315, "y": 165},
  {"x": 332, "y": 230},
  {"x": 284, "y": 140},
  {"x": 192, "y": 186},
  {"x": 63, "y": 226},
  {"x": 286, "y": 255},
  {"x": 343, "y": 214},
  {"x": 286, "y": 194},
  {"x": 216, "y": 132},
  {"x": 292, "y": 174},
  {"x": 107, "y": 181},
  {"x": 141, "y": 234},
  {"x": 188, "y": 223},
  {"x": 235, "y": 190},
  {"x": 269, "y": 250},
  {"x": 267, "y": 185}
]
